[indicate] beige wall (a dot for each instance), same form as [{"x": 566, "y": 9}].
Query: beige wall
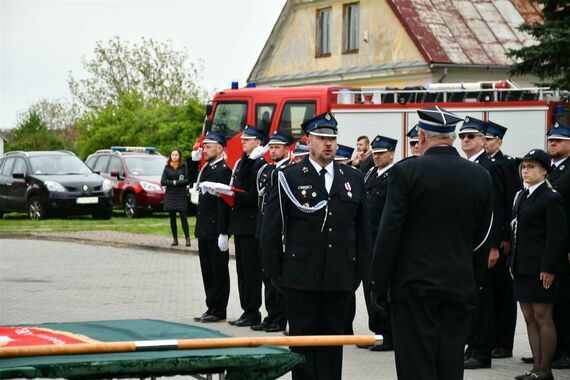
[{"x": 294, "y": 50}]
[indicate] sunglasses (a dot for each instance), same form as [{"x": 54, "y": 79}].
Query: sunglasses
[
  {"x": 469, "y": 136},
  {"x": 413, "y": 143}
]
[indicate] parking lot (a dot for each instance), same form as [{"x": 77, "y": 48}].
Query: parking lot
[{"x": 51, "y": 281}]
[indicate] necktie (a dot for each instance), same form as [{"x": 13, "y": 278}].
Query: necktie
[
  {"x": 553, "y": 167},
  {"x": 523, "y": 198},
  {"x": 322, "y": 174}
]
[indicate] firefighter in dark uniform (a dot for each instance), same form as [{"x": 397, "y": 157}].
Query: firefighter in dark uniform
[
  {"x": 212, "y": 219},
  {"x": 504, "y": 305},
  {"x": 413, "y": 140},
  {"x": 428, "y": 255},
  {"x": 481, "y": 340},
  {"x": 376, "y": 185},
  {"x": 300, "y": 151},
  {"x": 559, "y": 177},
  {"x": 316, "y": 245},
  {"x": 279, "y": 144},
  {"x": 243, "y": 221}
]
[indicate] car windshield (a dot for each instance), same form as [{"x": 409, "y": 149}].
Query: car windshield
[
  {"x": 58, "y": 164},
  {"x": 152, "y": 165}
]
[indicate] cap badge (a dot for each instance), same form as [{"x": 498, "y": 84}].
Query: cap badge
[
  {"x": 467, "y": 119},
  {"x": 531, "y": 152}
]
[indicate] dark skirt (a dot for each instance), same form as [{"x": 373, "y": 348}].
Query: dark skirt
[{"x": 529, "y": 289}]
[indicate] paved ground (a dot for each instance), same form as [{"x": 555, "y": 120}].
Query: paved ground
[{"x": 78, "y": 279}]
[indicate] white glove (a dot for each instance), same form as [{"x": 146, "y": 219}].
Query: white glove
[
  {"x": 197, "y": 155},
  {"x": 207, "y": 187},
  {"x": 216, "y": 188},
  {"x": 223, "y": 242},
  {"x": 259, "y": 152}
]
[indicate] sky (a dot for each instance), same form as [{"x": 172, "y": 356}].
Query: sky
[{"x": 42, "y": 41}]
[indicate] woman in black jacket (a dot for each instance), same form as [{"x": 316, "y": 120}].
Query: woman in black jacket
[
  {"x": 538, "y": 242},
  {"x": 175, "y": 179}
]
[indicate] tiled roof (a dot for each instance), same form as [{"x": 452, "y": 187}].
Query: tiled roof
[{"x": 476, "y": 32}]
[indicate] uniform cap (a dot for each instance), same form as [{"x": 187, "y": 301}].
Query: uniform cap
[
  {"x": 559, "y": 131},
  {"x": 250, "y": 132},
  {"x": 495, "y": 130},
  {"x": 343, "y": 152},
  {"x": 413, "y": 134},
  {"x": 321, "y": 125},
  {"x": 213, "y": 137},
  {"x": 281, "y": 138},
  {"x": 472, "y": 125},
  {"x": 436, "y": 119},
  {"x": 539, "y": 156},
  {"x": 301, "y": 149},
  {"x": 383, "y": 144}
]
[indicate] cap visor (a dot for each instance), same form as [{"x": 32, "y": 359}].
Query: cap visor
[{"x": 558, "y": 137}]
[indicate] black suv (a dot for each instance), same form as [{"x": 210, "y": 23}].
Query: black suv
[{"x": 52, "y": 183}]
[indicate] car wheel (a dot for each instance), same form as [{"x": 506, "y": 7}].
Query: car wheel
[
  {"x": 130, "y": 206},
  {"x": 36, "y": 209}
]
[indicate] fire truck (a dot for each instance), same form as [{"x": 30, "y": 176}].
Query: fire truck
[{"x": 528, "y": 113}]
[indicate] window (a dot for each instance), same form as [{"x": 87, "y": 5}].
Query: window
[
  {"x": 7, "y": 168},
  {"x": 294, "y": 114},
  {"x": 19, "y": 166},
  {"x": 264, "y": 116},
  {"x": 101, "y": 164},
  {"x": 229, "y": 118},
  {"x": 323, "y": 32},
  {"x": 351, "y": 22},
  {"x": 116, "y": 164}
]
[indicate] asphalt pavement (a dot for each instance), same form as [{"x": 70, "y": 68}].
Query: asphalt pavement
[{"x": 103, "y": 275}]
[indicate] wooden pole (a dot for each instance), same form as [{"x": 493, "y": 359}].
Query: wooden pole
[{"x": 189, "y": 344}]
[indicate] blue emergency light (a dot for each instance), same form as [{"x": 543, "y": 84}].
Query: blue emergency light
[
  {"x": 235, "y": 85},
  {"x": 141, "y": 149},
  {"x": 250, "y": 85}
]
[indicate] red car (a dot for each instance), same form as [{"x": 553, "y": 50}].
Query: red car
[{"x": 135, "y": 173}]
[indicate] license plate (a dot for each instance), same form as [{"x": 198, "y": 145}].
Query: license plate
[{"x": 87, "y": 200}]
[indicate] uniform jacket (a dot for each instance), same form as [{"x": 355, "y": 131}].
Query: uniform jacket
[
  {"x": 560, "y": 180},
  {"x": 212, "y": 216},
  {"x": 376, "y": 191},
  {"x": 243, "y": 216},
  {"x": 175, "y": 195},
  {"x": 266, "y": 179},
  {"x": 438, "y": 210},
  {"x": 319, "y": 255},
  {"x": 512, "y": 183},
  {"x": 540, "y": 239}
]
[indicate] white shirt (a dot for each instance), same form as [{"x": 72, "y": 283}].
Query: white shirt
[
  {"x": 329, "y": 175},
  {"x": 557, "y": 163},
  {"x": 384, "y": 169},
  {"x": 476, "y": 156},
  {"x": 533, "y": 188},
  {"x": 278, "y": 164}
]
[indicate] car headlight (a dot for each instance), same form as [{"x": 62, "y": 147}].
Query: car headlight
[
  {"x": 54, "y": 186},
  {"x": 150, "y": 186},
  {"x": 107, "y": 185}
]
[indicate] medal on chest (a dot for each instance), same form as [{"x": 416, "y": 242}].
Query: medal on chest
[{"x": 348, "y": 189}]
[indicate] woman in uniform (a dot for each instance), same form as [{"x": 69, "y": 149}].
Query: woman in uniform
[
  {"x": 175, "y": 179},
  {"x": 538, "y": 242}
]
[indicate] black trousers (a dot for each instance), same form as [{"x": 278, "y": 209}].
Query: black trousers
[
  {"x": 183, "y": 219},
  {"x": 561, "y": 312},
  {"x": 504, "y": 305},
  {"x": 429, "y": 337},
  {"x": 318, "y": 313},
  {"x": 376, "y": 324},
  {"x": 274, "y": 300},
  {"x": 249, "y": 275},
  {"x": 215, "y": 276},
  {"x": 481, "y": 341}
]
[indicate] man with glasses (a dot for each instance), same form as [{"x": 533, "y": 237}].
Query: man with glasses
[
  {"x": 559, "y": 151},
  {"x": 505, "y": 308},
  {"x": 481, "y": 341},
  {"x": 413, "y": 141}
]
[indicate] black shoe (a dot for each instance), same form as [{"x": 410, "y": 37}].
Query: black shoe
[
  {"x": 472, "y": 363},
  {"x": 258, "y": 327},
  {"x": 527, "y": 360},
  {"x": 233, "y": 323},
  {"x": 524, "y": 375},
  {"x": 188, "y": 242},
  {"x": 286, "y": 332},
  {"x": 199, "y": 319},
  {"x": 382, "y": 347},
  {"x": 247, "y": 322},
  {"x": 274, "y": 327},
  {"x": 501, "y": 353},
  {"x": 174, "y": 243},
  {"x": 210, "y": 318},
  {"x": 562, "y": 362}
]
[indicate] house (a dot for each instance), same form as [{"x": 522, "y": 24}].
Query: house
[
  {"x": 395, "y": 43},
  {"x": 2, "y": 141}
]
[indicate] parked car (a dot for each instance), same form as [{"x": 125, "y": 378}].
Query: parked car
[
  {"x": 52, "y": 183},
  {"x": 135, "y": 173}
]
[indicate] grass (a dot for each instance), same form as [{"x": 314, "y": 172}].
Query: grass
[{"x": 158, "y": 224}]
